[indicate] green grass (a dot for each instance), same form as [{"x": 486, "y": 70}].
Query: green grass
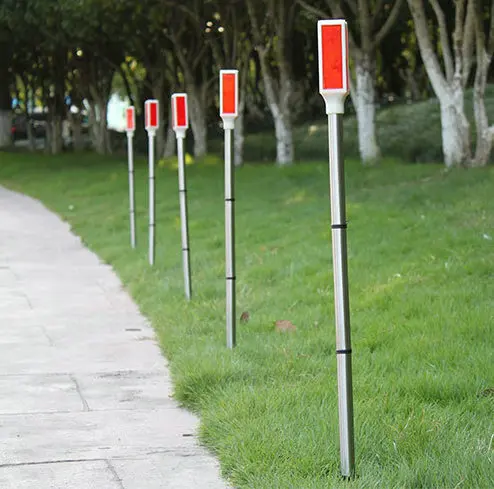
[{"x": 421, "y": 264}]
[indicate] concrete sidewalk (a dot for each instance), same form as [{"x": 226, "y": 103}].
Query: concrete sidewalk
[{"x": 84, "y": 391}]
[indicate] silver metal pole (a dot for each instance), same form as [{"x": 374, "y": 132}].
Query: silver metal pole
[
  {"x": 342, "y": 309},
  {"x": 152, "y": 200},
  {"x": 182, "y": 190},
  {"x": 230, "y": 242},
  {"x": 130, "y": 152}
]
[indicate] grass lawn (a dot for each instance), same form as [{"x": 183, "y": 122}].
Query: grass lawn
[{"x": 421, "y": 263}]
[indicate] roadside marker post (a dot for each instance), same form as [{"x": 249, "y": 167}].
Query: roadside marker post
[
  {"x": 228, "y": 113},
  {"x": 151, "y": 113},
  {"x": 130, "y": 128},
  {"x": 334, "y": 88},
  {"x": 180, "y": 122}
]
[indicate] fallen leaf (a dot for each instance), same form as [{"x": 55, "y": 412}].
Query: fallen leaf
[
  {"x": 488, "y": 392},
  {"x": 283, "y": 325},
  {"x": 244, "y": 317}
]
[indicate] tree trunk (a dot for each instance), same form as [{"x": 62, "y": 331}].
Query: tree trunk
[
  {"x": 31, "y": 137},
  {"x": 366, "y": 109},
  {"x": 5, "y": 128},
  {"x": 238, "y": 139},
  {"x": 100, "y": 136},
  {"x": 455, "y": 128},
  {"x": 76, "y": 123},
  {"x": 171, "y": 141},
  {"x": 56, "y": 140},
  {"x": 57, "y": 105},
  {"x": 53, "y": 140},
  {"x": 284, "y": 137},
  {"x": 159, "y": 139},
  {"x": 48, "y": 137},
  {"x": 447, "y": 85},
  {"x": 5, "y": 105},
  {"x": 198, "y": 121},
  {"x": 98, "y": 127},
  {"x": 158, "y": 93},
  {"x": 280, "y": 110},
  {"x": 485, "y": 134},
  {"x": 283, "y": 132},
  {"x": 238, "y": 133}
]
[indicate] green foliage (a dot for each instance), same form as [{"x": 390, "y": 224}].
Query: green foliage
[{"x": 421, "y": 264}]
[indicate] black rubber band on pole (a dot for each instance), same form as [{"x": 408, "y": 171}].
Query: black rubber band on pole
[
  {"x": 152, "y": 225},
  {"x": 231, "y": 278},
  {"x": 339, "y": 226},
  {"x": 229, "y": 200},
  {"x": 183, "y": 191},
  {"x": 185, "y": 249},
  {"x": 344, "y": 352}
]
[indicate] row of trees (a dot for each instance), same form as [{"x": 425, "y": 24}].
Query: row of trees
[{"x": 150, "y": 48}]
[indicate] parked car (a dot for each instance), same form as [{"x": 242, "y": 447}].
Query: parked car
[
  {"x": 19, "y": 127},
  {"x": 20, "y": 124}
]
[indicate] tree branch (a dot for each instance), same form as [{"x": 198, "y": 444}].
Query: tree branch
[
  {"x": 388, "y": 24},
  {"x": 427, "y": 52},
  {"x": 352, "y": 4},
  {"x": 255, "y": 24},
  {"x": 125, "y": 80},
  {"x": 365, "y": 26},
  {"x": 181, "y": 57},
  {"x": 378, "y": 8},
  {"x": 490, "y": 46},
  {"x": 191, "y": 14},
  {"x": 443, "y": 35},
  {"x": 458, "y": 36},
  {"x": 468, "y": 42},
  {"x": 338, "y": 12},
  {"x": 218, "y": 54},
  {"x": 199, "y": 56},
  {"x": 314, "y": 10}
]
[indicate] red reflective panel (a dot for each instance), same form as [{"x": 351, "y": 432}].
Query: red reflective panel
[
  {"x": 153, "y": 114},
  {"x": 229, "y": 95},
  {"x": 181, "y": 112},
  {"x": 332, "y": 57},
  {"x": 130, "y": 119}
]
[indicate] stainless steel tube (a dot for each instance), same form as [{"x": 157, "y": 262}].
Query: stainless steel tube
[
  {"x": 132, "y": 216},
  {"x": 341, "y": 296},
  {"x": 230, "y": 243},
  {"x": 182, "y": 191},
  {"x": 152, "y": 201}
]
